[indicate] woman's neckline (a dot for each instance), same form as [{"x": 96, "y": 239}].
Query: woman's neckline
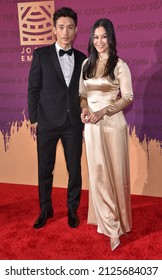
[{"x": 103, "y": 57}]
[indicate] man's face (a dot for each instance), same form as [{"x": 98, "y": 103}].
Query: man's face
[{"x": 65, "y": 31}]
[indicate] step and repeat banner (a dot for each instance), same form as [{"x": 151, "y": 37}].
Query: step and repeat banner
[{"x": 25, "y": 25}]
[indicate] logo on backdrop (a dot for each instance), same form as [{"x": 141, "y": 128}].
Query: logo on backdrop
[{"x": 35, "y": 26}]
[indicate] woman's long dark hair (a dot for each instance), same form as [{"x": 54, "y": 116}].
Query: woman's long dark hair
[{"x": 89, "y": 68}]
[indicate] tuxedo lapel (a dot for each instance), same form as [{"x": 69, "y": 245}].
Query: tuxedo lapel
[
  {"x": 55, "y": 61},
  {"x": 75, "y": 70},
  {"x": 57, "y": 66}
]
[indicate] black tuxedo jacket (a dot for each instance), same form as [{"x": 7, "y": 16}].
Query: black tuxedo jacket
[{"x": 49, "y": 98}]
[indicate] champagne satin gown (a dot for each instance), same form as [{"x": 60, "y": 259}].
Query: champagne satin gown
[{"x": 108, "y": 151}]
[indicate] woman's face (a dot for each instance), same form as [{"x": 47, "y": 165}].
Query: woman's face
[{"x": 100, "y": 40}]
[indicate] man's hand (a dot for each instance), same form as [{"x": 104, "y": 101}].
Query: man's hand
[{"x": 33, "y": 127}]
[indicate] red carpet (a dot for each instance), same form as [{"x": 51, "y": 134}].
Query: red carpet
[{"x": 57, "y": 241}]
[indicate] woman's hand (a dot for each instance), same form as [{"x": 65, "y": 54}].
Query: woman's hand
[
  {"x": 85, "y": 115},
  {"x": 97, "y": 116}
]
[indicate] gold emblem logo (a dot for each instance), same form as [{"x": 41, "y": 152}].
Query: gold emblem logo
[{"x": 36, "y": 22}]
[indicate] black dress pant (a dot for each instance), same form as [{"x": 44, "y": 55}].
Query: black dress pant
[{"x": 47, "y": 139}]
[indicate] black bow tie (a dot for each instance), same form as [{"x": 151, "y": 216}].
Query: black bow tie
[{"x": 62, "y": 52}]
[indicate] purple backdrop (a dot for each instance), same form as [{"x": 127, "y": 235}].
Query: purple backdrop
[{"x": 138, "y": 28}]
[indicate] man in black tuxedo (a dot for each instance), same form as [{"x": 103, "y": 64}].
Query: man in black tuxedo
[{"x": 54, "y": 110}]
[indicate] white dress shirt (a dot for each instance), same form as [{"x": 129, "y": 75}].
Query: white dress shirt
[{"x": 66, "y": 63}]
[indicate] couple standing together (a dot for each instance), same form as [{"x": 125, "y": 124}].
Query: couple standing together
[{"x": 68, "y": 92}]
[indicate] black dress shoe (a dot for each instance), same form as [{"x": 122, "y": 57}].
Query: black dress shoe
[
  {"x": 73, "y": 219},
  {"x": 42, "y": 219}
]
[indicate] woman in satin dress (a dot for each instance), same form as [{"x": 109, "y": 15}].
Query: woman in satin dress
[{"x": 105, "y": 90}]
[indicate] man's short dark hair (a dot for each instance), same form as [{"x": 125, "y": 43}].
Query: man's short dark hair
[{"x": 65, "y": 12}]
